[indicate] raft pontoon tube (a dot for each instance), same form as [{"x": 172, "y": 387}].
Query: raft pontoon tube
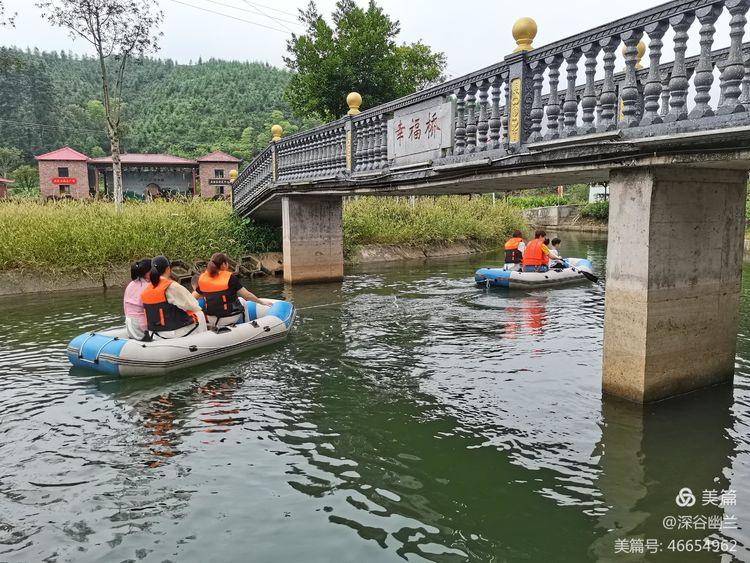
[
  {"x": 499, "y": 277},
  {"x": 111, "y": 351}
]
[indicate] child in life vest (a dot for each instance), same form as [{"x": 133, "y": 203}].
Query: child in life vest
[{"x": 555, "y": 258}]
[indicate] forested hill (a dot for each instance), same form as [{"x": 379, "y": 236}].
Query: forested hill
[{"x": 52, "y": 99}]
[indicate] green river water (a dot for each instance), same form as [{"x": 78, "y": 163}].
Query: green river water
[{"x": 410, "y": 416}]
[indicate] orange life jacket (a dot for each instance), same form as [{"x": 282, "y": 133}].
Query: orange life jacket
[
  {"x": 512, "y": 254},
  {"x": 160, "y": 314},
  {"x": 534, "y": 255},
  {"x": 221, "y": 301}
]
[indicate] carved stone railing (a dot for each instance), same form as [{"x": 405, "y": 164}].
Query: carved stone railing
[
  {"x": 255, "y": 181},
  {"x": 556, "y": 92}
]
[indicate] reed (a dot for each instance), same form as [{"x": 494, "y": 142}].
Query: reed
[
  {"x": 91, "y": 236},
  {"x": 369, "y": 220}
]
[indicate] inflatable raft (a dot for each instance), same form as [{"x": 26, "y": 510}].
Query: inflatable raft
[
  {"x": 111, "y": 351},
  {"x": 580, "y": 270}
]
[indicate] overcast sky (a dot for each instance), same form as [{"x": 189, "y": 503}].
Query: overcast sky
[{"x": 472, "y": 33}]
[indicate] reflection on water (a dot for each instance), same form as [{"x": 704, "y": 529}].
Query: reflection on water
[{"x": 409, "y": 416}]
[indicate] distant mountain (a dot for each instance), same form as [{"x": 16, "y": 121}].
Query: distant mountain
[{"x": 52, "y": 99}]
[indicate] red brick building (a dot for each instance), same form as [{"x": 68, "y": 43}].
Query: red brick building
[
  {"x": 4, "y": 187},
  {"x": 66, "y": 173},
  {"x": 213, "y": 171}
]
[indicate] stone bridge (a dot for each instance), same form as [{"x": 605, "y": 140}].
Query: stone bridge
[{"x": 671, "y": 138}]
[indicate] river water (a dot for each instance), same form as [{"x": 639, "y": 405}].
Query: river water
[{"x": 410, "y": 416}]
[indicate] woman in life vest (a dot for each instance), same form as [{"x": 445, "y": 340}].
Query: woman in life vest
[
  {"x": 171, "y": 311},
  {"x": 135, "y": 319},
  {"x": 225, "y": 297},
  {"x": 536, "y": 255},
  {"x": 514, "y": 248}
]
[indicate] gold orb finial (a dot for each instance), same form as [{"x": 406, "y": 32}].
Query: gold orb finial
[
  {"x": 524, "y": 31},
  {"x": 276, "y": 132},
  {"x": 640, "y": 51},
  {"x": 353, "y": 100},
  {"x": 232, "y": 175}
]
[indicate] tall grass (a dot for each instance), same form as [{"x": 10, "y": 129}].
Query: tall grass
[
  {"x": 91, "y": 236},
  {"x": 370, "y": 220},
  {"x": 529, "y": 201}
]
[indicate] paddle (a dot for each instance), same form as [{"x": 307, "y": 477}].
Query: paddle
[{"x": 591, "y": 277}]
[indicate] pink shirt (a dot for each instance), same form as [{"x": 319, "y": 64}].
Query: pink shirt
[{"x": 132, "y": 301}]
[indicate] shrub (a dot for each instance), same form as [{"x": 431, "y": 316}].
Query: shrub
[
  {"x": 598, "y": 210},
  {"x": 527, "y": 202}
]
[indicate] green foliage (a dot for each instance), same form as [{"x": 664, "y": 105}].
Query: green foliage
[
  {"x": 359, "y": 53},
  {"x": 10, "y": 157},
  {"x": 26, "y": 179},
  {"x": 527, "y": 202},
  {"x": 369, "y": 220},
  {"x": 48, "y": 100},
  {"x": 598, "y": 210},
  {"x": 577, "y": 193},
  {"x": 92, "y": 236}
]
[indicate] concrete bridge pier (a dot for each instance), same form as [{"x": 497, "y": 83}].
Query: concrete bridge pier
[
  {"x": 674, "y": 266},
  {"x": 312, "y": 239}
]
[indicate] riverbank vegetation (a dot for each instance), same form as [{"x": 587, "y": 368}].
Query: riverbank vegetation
[
  {"x": 377, "y": 220},
  {"x": 531, "y": 201},
  {"x": 90, "y": 236},
  {"x": 597, "y": 210},
  {"x": 72, "y": 236}
]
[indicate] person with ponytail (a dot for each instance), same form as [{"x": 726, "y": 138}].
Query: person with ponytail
[
  {"x": 171, "y": 311},
  {"x": 225, "y": 297},
  {"x": 135, "y": 319}
]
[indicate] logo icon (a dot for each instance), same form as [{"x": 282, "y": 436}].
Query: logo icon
[{"x": 685, "y": 498}]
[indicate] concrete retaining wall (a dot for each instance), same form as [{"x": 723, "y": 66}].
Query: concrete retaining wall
[{"x": 551, "y": 216}]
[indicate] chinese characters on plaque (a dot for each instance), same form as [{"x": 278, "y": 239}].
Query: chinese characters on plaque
[{"x": 420, "y": 134}]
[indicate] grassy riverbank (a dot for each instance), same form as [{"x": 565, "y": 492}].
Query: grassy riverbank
[
  {"x": 91, "y": 237},
  {"x": 377, "y": 220}
]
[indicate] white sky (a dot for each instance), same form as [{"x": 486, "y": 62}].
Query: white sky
[{"x": 472, "y": 33}]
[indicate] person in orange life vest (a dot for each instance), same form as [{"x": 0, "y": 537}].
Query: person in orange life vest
[
  {"x": 536, "y": 255},
  {"x": 225, "y": 297},
  {"x": 514, "y": 248},
  {"x": 171, "y": 311}
]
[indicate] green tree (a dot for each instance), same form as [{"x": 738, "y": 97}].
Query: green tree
[
  {"x": 10, "y": 157},
  {"x": 359, "y": 53},
  {"x": 26, "y": 178},
  {"x": 120, "y": 31}
]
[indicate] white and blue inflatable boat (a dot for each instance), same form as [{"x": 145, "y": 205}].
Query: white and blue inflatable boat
[
  {"x": 111, "y": 351},
  {"x": 579, "y": 270}
]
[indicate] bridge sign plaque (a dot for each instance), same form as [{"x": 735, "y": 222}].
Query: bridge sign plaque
[{"x": 420, "y": 134}]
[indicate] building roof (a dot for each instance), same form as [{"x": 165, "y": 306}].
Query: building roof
[
  {"x": 6, "y": 181},
  {"x": 64, "y": 154},
  {"x": 218, "y": 156},
  {"x": 134, "y": 159}
]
